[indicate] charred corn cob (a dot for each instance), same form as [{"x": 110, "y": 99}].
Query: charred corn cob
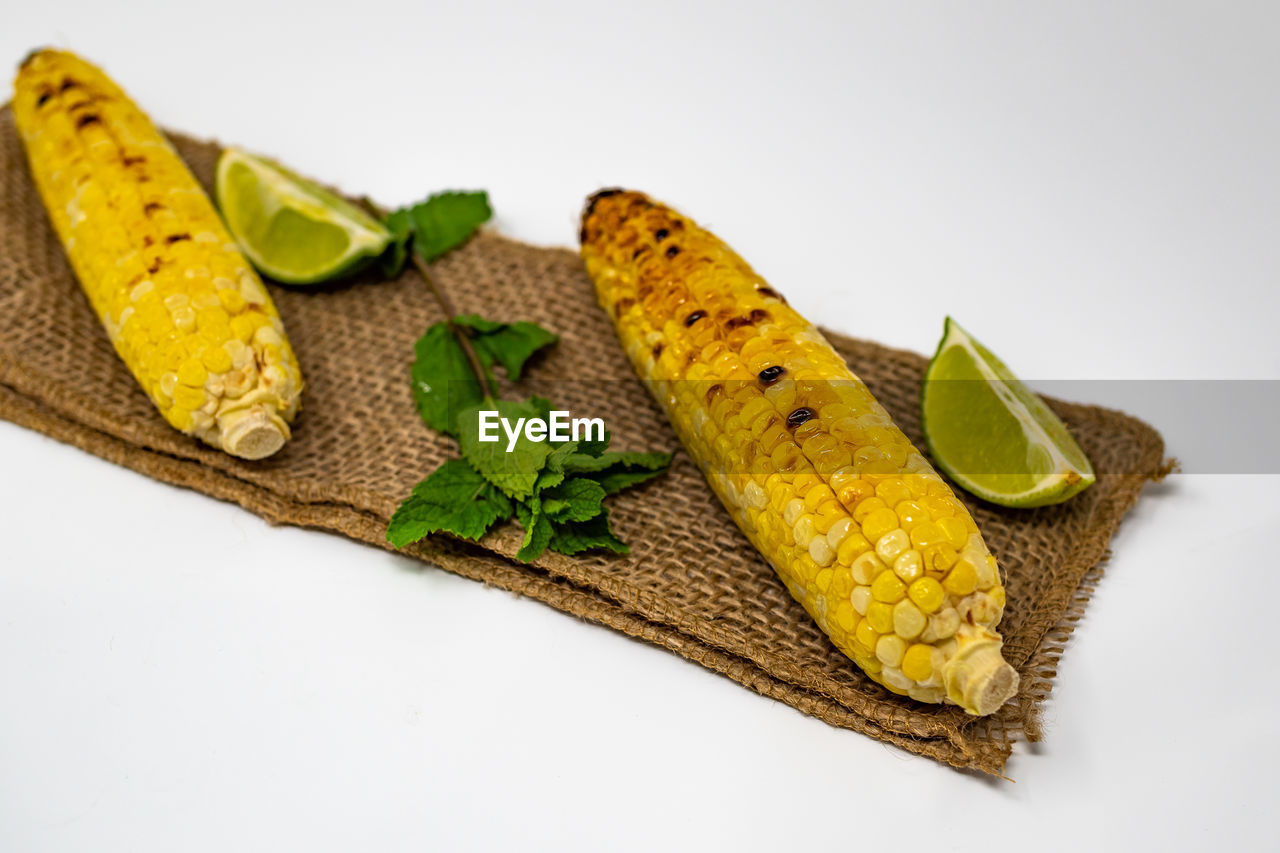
[
  {"x": 183, "y": 308},
  {"x": 851, "y": 516}
]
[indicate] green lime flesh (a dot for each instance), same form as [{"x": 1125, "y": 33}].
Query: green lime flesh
[
  {"x": 291, "y": 229},
  {"x": 992, "y": 434}
]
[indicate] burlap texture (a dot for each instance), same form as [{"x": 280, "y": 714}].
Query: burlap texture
[{"x": 692, "y": 583}]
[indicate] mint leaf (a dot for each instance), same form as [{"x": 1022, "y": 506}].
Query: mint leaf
[
  {"x": 537, "y": 529},
  {"x": 392, "y": 262},
  {"x": 443, "y": 382},
  {"x": 577, "y": 499},
  {"x": 592, "y": 447},
  {"x": 553, "y": 469},
  {"x": 441, "y": 223},
  {"x": 454, "y": 499},
  {"x": 575, "y": 537},
  {"x": 616, "y": 471},
  {"x": 615, "y": 481},
  {"x": 514, "y": 472},
  {"x": 509, "y": 344}
]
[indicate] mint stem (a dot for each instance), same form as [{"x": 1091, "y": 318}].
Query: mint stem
[{"x": 420, "y": 264}]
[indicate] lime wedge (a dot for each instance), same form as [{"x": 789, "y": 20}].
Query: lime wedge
[
  {"x": 991, "y": 433},
  {"x": 291, "y": 229}
]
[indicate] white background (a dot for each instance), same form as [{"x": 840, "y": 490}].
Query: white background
[{"x": 1092, "y": 188}]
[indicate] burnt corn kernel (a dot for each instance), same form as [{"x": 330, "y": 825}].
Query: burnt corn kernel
[
  {"x": 661, "y": 234},
  {"x": 694, "y": 317},
  {"x": 771, "y": 374},
  {"x": 672, "y": 251},
  {"x": 596, "y": 196},
  {"x": 799, "y": 416}
]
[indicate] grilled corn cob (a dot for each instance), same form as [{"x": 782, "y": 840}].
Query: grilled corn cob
[
  {"x": 851, "y": 516},
  {"x": 182, "y": 307}
]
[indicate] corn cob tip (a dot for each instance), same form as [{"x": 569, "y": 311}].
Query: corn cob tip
[
  {"x": 32, "y": 54},
  {"x": 978, "y": 678},
  {"x": 252, "y": 433},
  {"x": 596, "y": 196}
]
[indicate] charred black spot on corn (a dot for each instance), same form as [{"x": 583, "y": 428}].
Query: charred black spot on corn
[
  {"x": 799, "y": 416},
  {"x": 596, "y": 196},
  {"x": 672, "y": 251},
  {"x": 176, "y": 238},
  {"x": 771, "y": 374},
  {"x": 661, "y": 234},
  {"x": 88, "y": 119},
  {"x": 44, "y": 98},
  {"x": 694, "y": 317},
  {"x": 766, "y": 291}
]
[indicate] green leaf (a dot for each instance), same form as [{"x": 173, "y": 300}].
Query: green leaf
[
  {"x": 443, "y": 382},
  {"x": 514, "y": 472},
  {"x": 591, "y": 447},
  {"x": 454, "y": 499},
  {"x": 392, "y": 262},
  {"x": 509, "y": 344},
  {"x": 577, "y": 499},
  {"x": 615, "y": 481},
  {"x": 443, "y": 222},
  {"x": 616, "y": 471},
  {"x": 537, "y": 529},
  {"x": 575, "y": 537}
]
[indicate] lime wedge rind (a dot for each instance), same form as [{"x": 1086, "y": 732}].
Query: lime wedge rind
[
  {"x": 291, "y": 229},
  {"x": 978, "y": 418}
]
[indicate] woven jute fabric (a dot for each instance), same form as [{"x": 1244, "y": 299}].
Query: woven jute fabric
[{"x": 692, "y": 583}]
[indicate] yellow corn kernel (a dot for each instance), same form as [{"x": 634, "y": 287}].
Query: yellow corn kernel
[
  {"x": 851, "y": 548},
  {"x": 866, "y": 567},
  {"x": 917, "y": 663},
  {"x": 908, "y": 621},
  {"x": 889, "y": 649},
  {"x": 193, "y": 373},
  {"x": 892, "y": 544},
  {"x": 216, "y": 360},
  {"x": 962, "y": 579},
  {"x": 189, "y": 398},
  {"x": 908, "y": 566},
  {"x": 880, "y": 617},
  {"x": 927, "y": 594},
  {"x": 865, "y": 636},
  {"x": 888, "y": 588},
  {"x": 879, "y": 523}
]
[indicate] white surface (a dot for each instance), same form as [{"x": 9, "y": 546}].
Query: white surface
[{"x": 175, "y": 674}]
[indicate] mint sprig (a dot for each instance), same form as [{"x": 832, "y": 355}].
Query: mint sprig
[
  {"x": 555, "y": 490},
  {"x": 433, "y": 227}
]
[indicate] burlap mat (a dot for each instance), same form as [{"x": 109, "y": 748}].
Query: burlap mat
[{"x": 692, "y": 583}]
